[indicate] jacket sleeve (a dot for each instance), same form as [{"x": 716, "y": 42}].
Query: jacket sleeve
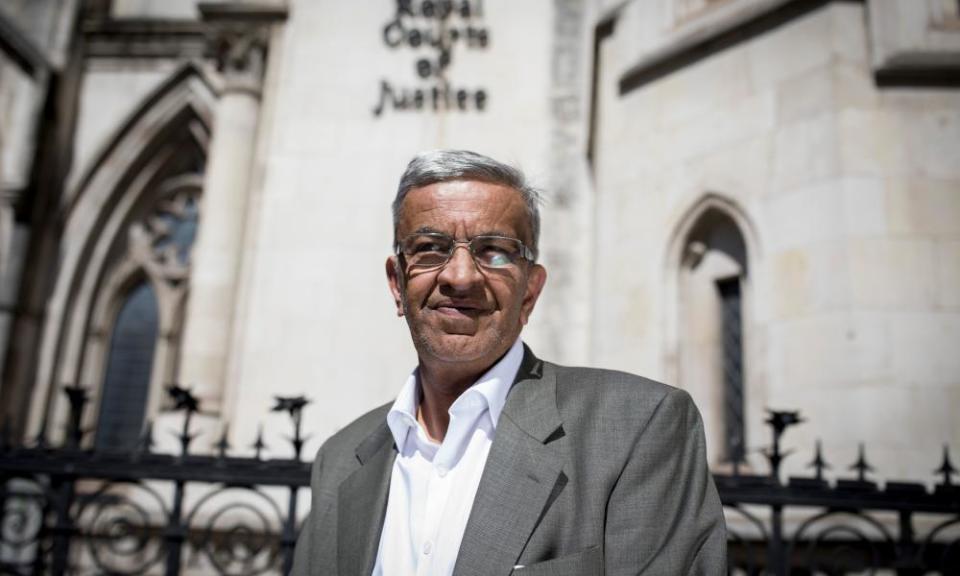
[{"x": 664, "y": 514}]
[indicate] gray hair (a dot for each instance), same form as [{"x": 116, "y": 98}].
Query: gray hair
[{"x": 435, "y": 166}]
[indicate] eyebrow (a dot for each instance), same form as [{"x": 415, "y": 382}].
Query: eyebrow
[{"x": 431, "y": 230}]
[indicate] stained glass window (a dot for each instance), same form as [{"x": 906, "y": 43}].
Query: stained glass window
[
  {"x": 129, "y": 367},
  {"x": 178, "y": 228}
]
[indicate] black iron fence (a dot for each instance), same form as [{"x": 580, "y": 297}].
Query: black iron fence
[
  {"x": 71, "y": 511},
  {"x": 853, "y": 526},
  {"x": 66, "y": 510}
]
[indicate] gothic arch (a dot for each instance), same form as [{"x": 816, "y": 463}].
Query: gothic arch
[
  {"x": 167, "y": 277},
  {"x": 164, "y": 140},
  {"x": 711, "y": 201},
  {"x": 710, "y": 266}
]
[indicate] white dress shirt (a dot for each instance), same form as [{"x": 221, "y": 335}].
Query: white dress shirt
[{"x": 432, "y": 485}]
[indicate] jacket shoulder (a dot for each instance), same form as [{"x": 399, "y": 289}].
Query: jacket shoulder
[
  {"x": 624, "y": 400},
  {"x": 580, "y": 380},
  {"x": 344, "y": 442},
  {"x": 363, "y": 425}
]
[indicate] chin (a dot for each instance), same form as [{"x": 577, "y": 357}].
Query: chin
[{"x": 455, "y": 348}]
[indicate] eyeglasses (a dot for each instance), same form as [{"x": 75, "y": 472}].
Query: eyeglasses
[{"x": 428, "y": 250}]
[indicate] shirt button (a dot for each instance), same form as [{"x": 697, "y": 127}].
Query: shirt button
[
  {"x": 442, "y": 470},
  {"x": 427, "y": 548}
]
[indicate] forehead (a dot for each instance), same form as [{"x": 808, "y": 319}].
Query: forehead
[{"x": 464, "y": 206}]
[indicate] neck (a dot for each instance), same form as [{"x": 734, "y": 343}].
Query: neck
[{"x": 440, "y": 386}]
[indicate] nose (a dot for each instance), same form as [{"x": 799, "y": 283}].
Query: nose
[{"x": 461, "y": 271}]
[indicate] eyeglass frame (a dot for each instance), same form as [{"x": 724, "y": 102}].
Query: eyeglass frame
[{"x": 526, "y": 253}]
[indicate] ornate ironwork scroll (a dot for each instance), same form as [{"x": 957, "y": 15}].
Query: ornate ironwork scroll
[
  {"x": 72, "y": 510},
  {"x": 121, "y": 525}
]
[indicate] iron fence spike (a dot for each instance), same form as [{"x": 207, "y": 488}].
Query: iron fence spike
[
  {"x": 223, "y": 445},
  {"x": 77, "y": 397},
  {"x": 259, "y": 444},
  {"x": 818, "y": 463},
  {"x": 183, "y": 398},
  {"x": 946, "y": 468},
  {"x": 861, "y": 466},
  {"x": 293, "y": 405},
  {"x": 779, "y": 421},
  {"x": 289, "y": 404}
]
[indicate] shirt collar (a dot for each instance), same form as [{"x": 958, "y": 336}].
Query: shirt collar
[{"x": 487, "y": 394}]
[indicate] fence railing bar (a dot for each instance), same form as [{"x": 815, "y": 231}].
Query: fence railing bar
[{"x": 59, "y": 476}]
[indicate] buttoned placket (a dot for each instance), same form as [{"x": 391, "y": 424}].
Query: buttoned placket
[
  {"x": 444, "y": 474},
  {"x": 438, "y": 494},
  {"x": 433, "y": 485}
]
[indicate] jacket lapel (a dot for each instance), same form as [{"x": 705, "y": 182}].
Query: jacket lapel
[
  {"x": 522, "y": 477},
  {"x": 363, "y": 503}
]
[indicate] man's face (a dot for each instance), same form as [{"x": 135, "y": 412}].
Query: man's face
[{"x": 461, "y": 312}]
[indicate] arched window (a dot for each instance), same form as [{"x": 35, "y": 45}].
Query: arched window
[
  {"x": 129, "y": 369},
  {"x": 140, "y": 353},
  {"x": 711, "y": 280},
  {"x": 129, "y": 227}
]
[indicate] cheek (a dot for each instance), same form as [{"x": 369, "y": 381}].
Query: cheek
[
  {"x": 509, "y": 296},
  {"x": 416, "y": 293},
  {"x": 417, "y": 289}
]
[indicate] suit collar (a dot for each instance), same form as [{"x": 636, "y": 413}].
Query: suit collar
[
  {"x": 491, "y": 388},
  {"x": 532, "y": 402},
  {"x": 523, "y": 475},
  {"x": 374, "y": 443}
]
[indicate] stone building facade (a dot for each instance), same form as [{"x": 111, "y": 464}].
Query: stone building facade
[{"x": 755, "y": 200}]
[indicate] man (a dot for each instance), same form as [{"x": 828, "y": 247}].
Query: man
[{"x": 491, "y": 461}]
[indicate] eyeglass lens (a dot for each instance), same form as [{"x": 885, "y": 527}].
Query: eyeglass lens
[{"x": 432, "y": 250}]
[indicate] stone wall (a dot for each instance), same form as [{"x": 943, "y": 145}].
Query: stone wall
[{"x": 852, "y": 195}]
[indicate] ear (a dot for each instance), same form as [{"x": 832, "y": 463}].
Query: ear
[
  {"x": 536, "y": 278},
  {"x": 395, "y": 282}
]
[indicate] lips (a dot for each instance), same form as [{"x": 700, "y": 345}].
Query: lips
[{"x": 459, "y": 308}]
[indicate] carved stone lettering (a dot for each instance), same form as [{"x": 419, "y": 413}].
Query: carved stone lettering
[
  {"x": 442, "y": 26},
  {"x": 439, "y": 97}
]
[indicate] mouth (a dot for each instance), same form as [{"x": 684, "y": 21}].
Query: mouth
[{"x": 459, "y": 309}]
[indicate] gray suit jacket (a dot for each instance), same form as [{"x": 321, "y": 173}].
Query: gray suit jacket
[{"x": 590, "y": 472}]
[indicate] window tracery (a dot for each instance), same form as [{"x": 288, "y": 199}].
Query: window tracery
[
  {"x": 134, "y": 349},
  {"x": 161, "y": 242}
]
